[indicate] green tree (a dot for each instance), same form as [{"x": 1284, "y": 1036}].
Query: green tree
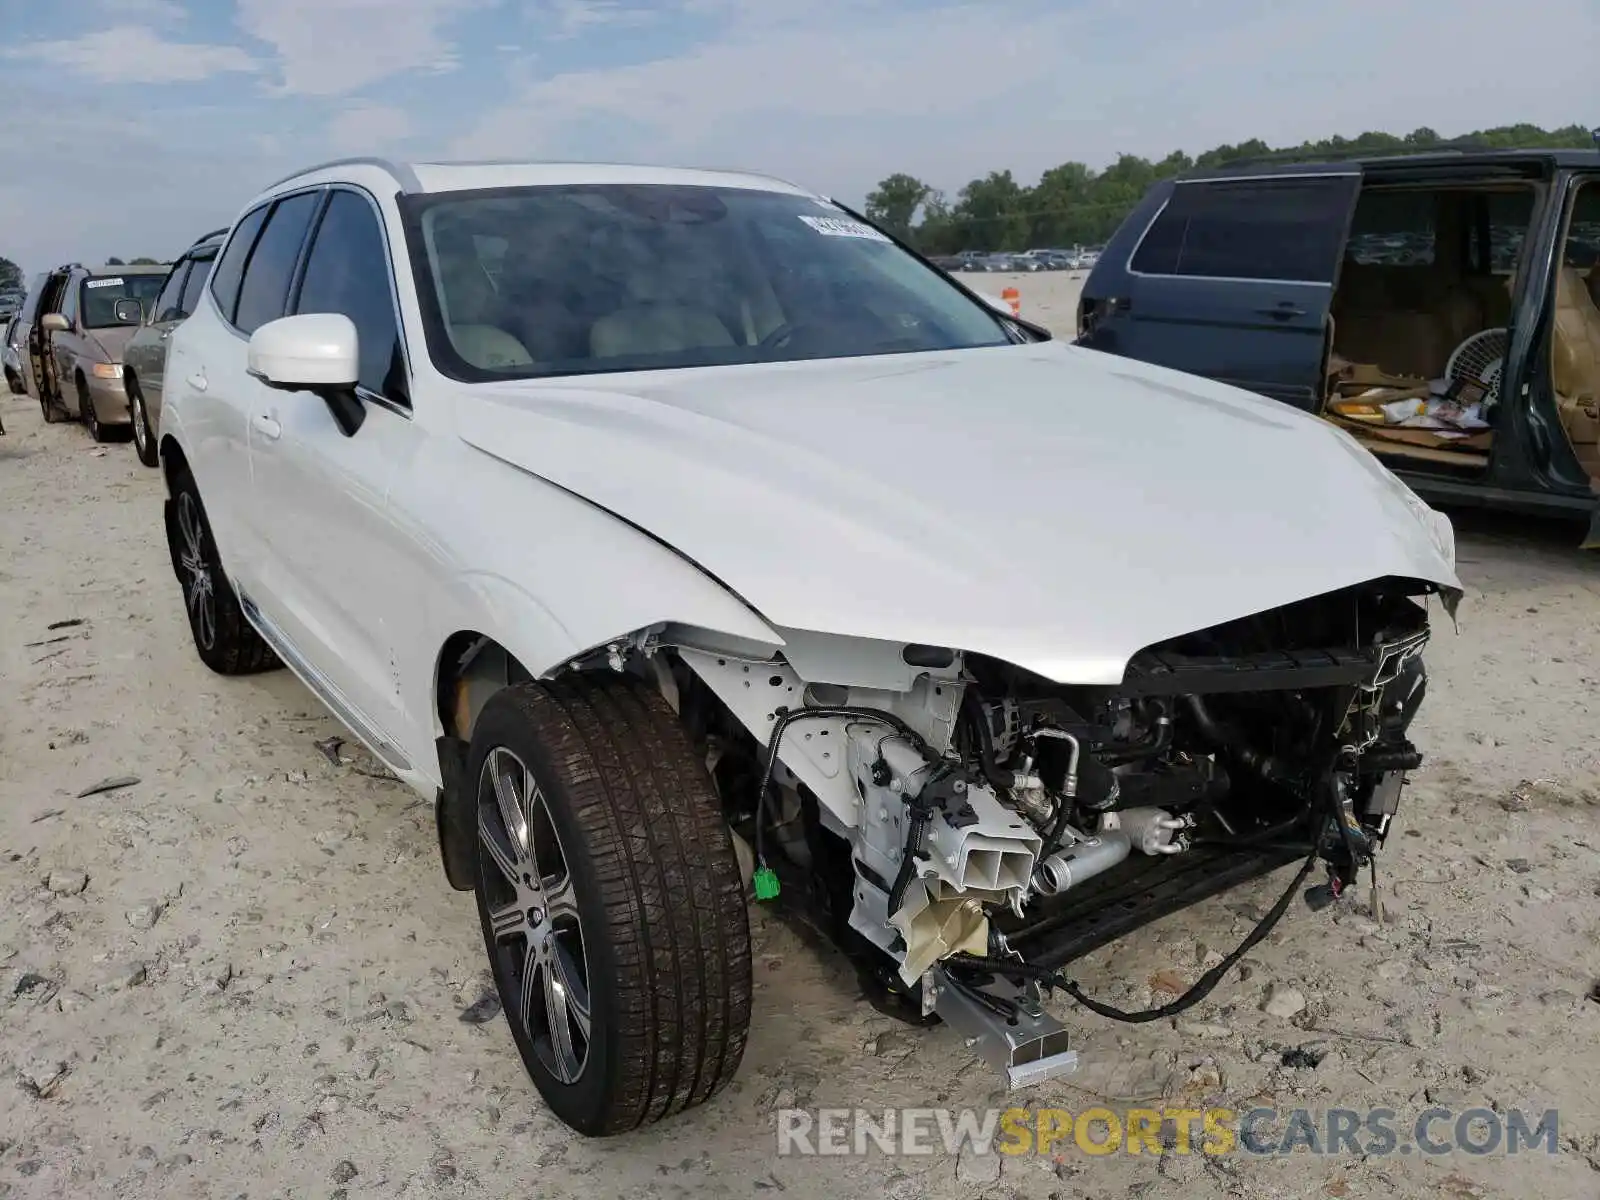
[
  {"x": 144, "y": 262},
  {"x": 895, "y": 203},
  {"x": 10, "y": 275},
  {"x": 1075, "y": 205},
  {"x": 114, "y": 261}
]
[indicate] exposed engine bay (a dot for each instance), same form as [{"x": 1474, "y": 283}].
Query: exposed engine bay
[{"x": 966, "y": 835}]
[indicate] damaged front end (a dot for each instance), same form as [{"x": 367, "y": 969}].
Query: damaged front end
[{"x": 970, "y": 829}]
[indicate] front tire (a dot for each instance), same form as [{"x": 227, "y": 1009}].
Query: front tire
[
  {"x": 225, "y": 641},
  {"x": 144, "y": 441},
  {"x": 87, "y": 414},
  {"x": 611, "y": 901}
]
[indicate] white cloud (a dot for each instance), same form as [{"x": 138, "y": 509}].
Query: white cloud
[
  {"x": 335, "y": 47},
  {"x": 840, "y": 94},
  {"x": 161, "y": 196},
  {"x": 150, "y": 10},
  {"x": 367, "y": 129},
  {"x": 135, "y": 54}
]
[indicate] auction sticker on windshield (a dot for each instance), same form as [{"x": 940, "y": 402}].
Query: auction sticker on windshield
[
  {"x": 104, "y": 282},
  {"x": 839, "y": 227}
]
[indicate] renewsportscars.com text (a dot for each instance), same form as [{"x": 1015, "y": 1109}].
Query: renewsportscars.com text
[{"x": 1211, "y": 1131}]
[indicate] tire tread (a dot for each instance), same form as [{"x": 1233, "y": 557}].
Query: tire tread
[{"x": 672, "y": 893}]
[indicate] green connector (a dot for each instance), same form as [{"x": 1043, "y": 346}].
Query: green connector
[{"x": 766, "y": 881}]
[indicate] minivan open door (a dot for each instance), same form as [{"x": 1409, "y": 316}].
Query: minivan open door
[{"x": 1232, "y": 280}]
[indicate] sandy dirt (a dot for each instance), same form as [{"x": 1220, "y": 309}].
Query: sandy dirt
[{"x": 243, "y": 974}]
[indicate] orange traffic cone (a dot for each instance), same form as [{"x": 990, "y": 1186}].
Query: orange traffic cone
[{"x": 1014, "y": 298}]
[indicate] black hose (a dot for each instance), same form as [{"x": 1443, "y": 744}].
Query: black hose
[
  {"x": 1058, "y": 828},
  {"x": 1201, "y": 989},
  {"x": 916, "y": 836},
  {"x": 1231, "y": 742},
  {"x": 997, "y": 777},
  {"x": 1160, "y": 738}
]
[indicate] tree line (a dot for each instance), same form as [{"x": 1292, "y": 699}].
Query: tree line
[{"x": 1074, "y": 205}]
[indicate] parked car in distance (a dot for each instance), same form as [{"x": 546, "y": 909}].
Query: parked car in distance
[
  {"x": 456, "y": 511},
  {"x": 25, "y": 332},
  {"x": 145, "y": 356},
  {"x": 1001, "y": 260},
  {"x": 13, "y": 349},
  {"x": 1461, "y": 285},
  {"x": 81, "y": 335}
]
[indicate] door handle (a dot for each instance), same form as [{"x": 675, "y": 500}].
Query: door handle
[
  {"x": 1282, "y": 311},
  {"x": 268, "y": 426},
  {"x": 198, "y": 382}
]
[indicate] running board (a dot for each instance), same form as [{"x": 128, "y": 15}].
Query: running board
[{"x": 1030, "y": 1051}]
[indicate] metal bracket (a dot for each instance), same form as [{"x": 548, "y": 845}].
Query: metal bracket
[{"x": 1030, "y": 1051}]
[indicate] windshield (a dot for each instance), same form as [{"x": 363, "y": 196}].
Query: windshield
[
  {"x": 101, "y": 293},
  {"x": 544, "y": 281}
]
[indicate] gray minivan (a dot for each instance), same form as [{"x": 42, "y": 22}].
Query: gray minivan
[{"x": 1442, "y": 308}]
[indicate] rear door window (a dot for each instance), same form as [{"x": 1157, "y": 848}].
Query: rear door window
[
  {"x": 1282, "y": 229},
  {"x": 230, "y": 268},
  {"x": 265, "y": 288},
  {"x": 195, "y": 284},
  {"x": 169, "y": 302}
]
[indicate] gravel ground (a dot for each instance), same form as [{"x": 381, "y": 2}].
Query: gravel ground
[{"x": 240, "y": 973}]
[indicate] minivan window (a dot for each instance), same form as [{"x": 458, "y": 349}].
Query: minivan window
[
  {"x": 1270, "y": 229},
  {"x": 196, "y": 282},
  {"x": 265, "y": 288},
  {"x": 230, "y": 268},
  {"x": 1393, "y": 229},
  {"x": 348, "y": 272}
]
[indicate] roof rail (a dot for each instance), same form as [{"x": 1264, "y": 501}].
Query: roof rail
[
  {"x": 403, "y": 175},
  {"x": 1345, "y": 153}
]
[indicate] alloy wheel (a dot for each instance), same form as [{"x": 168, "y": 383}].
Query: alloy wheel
[
  {"x": 533, "y": 912},
  {"x": 198, "y": 589}
]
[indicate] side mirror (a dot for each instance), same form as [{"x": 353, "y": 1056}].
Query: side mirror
[
  {"x": 997, "y": 304},
  {"x": 312, "y": 352},
  {"x": 129, "y": 311},
  {"x": 54, "y": 323}
]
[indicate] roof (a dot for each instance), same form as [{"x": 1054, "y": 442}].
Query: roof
[
  {"x": 1525, "y": 160},
  {"x": 130, "y": 269},
  {"x": 427, "y": 177}
]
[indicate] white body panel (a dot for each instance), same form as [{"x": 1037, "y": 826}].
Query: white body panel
[{"x": 1049, "y": 506}]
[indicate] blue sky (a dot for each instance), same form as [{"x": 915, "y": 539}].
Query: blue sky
[{"x": 136, "y": 124}]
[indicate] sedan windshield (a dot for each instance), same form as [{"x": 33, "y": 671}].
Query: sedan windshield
[
  {"x": 562, "y": 280},
  {"x": 100, "y": 296}
]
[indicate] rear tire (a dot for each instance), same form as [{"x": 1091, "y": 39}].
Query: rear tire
[
  {"x": 604, "y": 867},
  {"x": 225, "y": 641},
  {"x": 53, "y": 413},
  {"x": 144, "y": 441}
]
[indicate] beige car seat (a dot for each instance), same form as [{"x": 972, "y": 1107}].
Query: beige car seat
[
  {"x": 654, "y": 321},
  {"x": 1575, "y": 369},
  {"x": 472, "y": 307}
]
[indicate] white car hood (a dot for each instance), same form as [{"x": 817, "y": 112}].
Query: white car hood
[{"x": 1053, "y": 507}]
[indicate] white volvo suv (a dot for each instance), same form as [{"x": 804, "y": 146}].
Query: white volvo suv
[{"x": 685, "y": 536}]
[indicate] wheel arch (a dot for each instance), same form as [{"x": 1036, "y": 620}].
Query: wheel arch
[{"x": 472, "y": 665}]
